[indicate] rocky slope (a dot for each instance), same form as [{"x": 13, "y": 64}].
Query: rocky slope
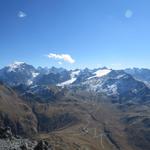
[
  {"x": 15, "y": 113},
  {"x": 10, "y": 142}
]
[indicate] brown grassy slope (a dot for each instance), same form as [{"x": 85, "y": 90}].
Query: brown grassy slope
[
  {"x": 137, "y": 121},
  {"x": 15, "y": 113},
  {"x": 98, "y": 126},
  {"x": 78, "y": 121}
]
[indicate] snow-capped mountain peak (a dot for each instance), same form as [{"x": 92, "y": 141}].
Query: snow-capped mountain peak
[
  {"x": 100, "y": 80},
  {"x": 14, "y": 66},
  {"x": 18, "y": 73}
]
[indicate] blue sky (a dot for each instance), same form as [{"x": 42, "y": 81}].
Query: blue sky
[{"x": 92, "y": 33}]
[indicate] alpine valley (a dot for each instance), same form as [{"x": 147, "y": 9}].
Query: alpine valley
[{"x": 82, "y": 109}]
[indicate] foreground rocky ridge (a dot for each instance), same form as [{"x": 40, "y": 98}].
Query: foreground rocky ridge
[{"x": 10, "y": 142}]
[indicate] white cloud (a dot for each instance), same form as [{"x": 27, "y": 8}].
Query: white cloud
[
  {"x": 128, "y": 13},
  {"x": 64, "y": 57},
  {"x": 21, "y": 14}
]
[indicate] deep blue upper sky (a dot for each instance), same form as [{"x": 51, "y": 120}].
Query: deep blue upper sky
[{"x": 95, "y": 33}]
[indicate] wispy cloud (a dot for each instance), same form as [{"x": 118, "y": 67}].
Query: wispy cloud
[
  {"x": 64, "y": 57},
  {"x": 128, "y": 13},
  {"x": 21, "y": 14}
]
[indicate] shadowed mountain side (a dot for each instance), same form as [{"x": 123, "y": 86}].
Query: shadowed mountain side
[{"x": 15, "y": 113}]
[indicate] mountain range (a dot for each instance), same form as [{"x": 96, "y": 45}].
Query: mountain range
[
  {"x": 121, "y": 84},
  {"x": 77, "y": 109}
]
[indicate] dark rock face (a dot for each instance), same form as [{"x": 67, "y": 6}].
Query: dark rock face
[
  {"x": 24, "y": 147},
  {"x": 5, "y": 133},
  {"x": 43, "y": 145},
  {"x": 52, "y": 78}
]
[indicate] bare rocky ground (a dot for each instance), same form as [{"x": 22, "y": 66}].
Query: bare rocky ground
[
  {"x": 16, "y": 144},
  {"x": 10, "y": 142}
]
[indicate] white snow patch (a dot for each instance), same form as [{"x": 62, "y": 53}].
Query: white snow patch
[
  {"x": 120, "y": 76},
  {"x": 70, "y": 81},
  {"x": 35, "y": 74},
  {"x": 29, "y": 82},
  {"x": 100, "y": 73}
]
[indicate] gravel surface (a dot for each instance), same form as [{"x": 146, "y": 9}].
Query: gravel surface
[{"x": 16, "y": 144}]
